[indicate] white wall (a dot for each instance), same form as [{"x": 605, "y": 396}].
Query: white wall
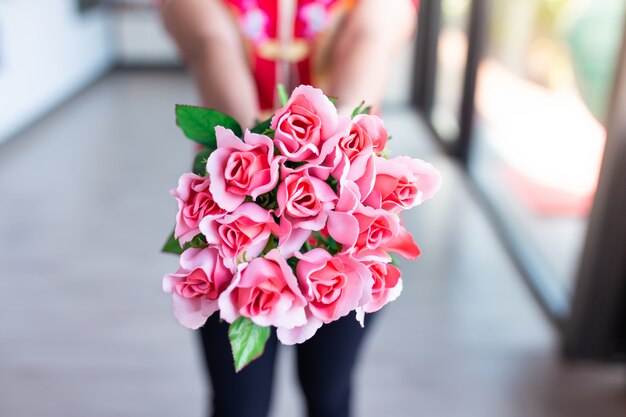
[
  {"x": 47, "y": 52},
  {"x": 142, "y": 39}
]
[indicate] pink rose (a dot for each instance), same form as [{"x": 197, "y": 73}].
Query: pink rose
[
  {"x": 304, "y": 200},
  {"x": 367, "y": 135},
  {"x": 358, "y": 141},
  {"x": 195, "y": 202},
  {"x": 333, "y": 285},
  {"x": 266, "y": 291},
  {"x": 327, "y": 166},
  {"x": 368, "y": 234},
  {"x": 387, "y": 285},
  {"x": 238, "y": 169},
  {"x": 402, "y": 183},
  {"x": 374, "y": 128},
  {"x": 307, "y": 128},
  {"x": 376, "y": 227},
  {"x": 428, "y": 177},
  {"x": 197, "y": 285},
  {"x": 247, "y": 229}
]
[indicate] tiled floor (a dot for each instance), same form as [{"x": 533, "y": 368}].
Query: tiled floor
[{"x": 86, "y": 331}]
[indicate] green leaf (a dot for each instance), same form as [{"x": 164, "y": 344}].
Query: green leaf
[
  {"x": 198, "y": 124},
  {"x": 333, "y": 246},
  {"x": 361, "y": 110},
  {"x": 199, "y": 163},
  {"x": 267, "y": 201},
  {"x": 282, "y": 94},
  {"x": 172, "y": 246},
  {"x": 198, "y": 242},
  {"x": 394, "y": 259},
  {"x": 333, "y": 183},
  {"x": 357, "y": 109},
  {"x": 272, "y": 243},
  {"x": 293, "y": 262},
  {"x": 247, "y": 341},
  {"x": 262, "y": 127},
  {"x": 333, "y": 99}
]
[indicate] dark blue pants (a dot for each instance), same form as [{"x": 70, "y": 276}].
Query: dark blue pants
[{"x": 325, "y": 367}]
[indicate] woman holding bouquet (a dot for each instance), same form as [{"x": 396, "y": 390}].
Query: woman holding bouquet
[{"x": 238, "y": 51}]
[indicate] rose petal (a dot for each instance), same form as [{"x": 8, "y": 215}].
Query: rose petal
[
  {"x": 292, "y": 239},
  {"x": 188, "y": 312},
  {"x": 299, "y": 334},
  {"x": 403, "y": 244},
  {"x": 343, "y": 227}
]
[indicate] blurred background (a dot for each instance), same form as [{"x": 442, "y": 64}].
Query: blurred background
[{"x": 517, "y": 306}]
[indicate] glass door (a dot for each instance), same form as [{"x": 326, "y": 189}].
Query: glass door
[{"x": 542, "y": 92}]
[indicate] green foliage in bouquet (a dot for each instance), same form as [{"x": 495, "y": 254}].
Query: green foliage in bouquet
[
  {"x": 263, "y": 127},
  {"x": 247, "y": 341},
  {"x": 199, "y": 163},
  {"x": 172, "y": 246},
  {"x": 199, "y": 124},
  {"x": 361, "y": 109}
]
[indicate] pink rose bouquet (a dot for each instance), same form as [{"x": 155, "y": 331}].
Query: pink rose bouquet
[{"x": 292, "y": 224}]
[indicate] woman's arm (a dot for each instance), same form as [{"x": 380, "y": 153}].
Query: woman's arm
[
  {"x": 374, "y": 32},
  {"x": 209, "y": 42}
]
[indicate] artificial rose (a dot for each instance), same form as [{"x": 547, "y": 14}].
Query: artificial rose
[
  {"x": 195, "y": 202},
  {"x": 367, "y": 135},
  {"x": 197, "y": 285},
  {"x": 266, "y": 291},
  {"x": 358, "y": 141},
  {"x": 308, "y": 127},
  {"x": 304, "y": 200},
  {"x": 238, "y": 169},
  {"x": 374, "y": 128},
  {"x": 427, "y": 176},
  {"x": 368, "y": 234},
  {"x": 326, "y": 167},
  {"x": 387, "y": 285},
  {"x": 333, "y": 285},
  {"x": 402, "y": 183},
  {"x": 247, "y": 229},
  {"x": 376, "y": 227}
]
